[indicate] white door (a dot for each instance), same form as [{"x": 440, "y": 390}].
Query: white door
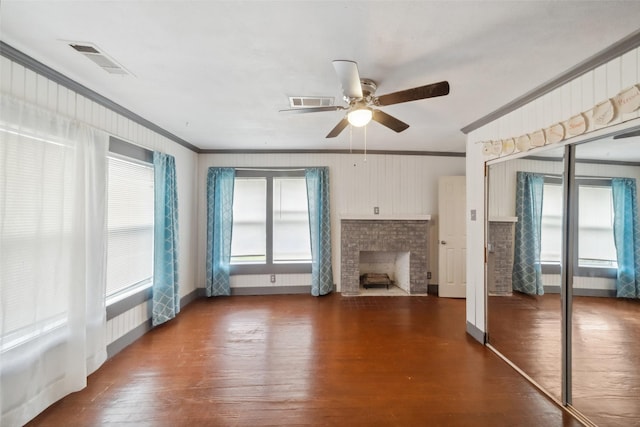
[{"x": 452, "y": 232}]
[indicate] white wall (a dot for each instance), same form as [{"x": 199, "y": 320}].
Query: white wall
[
  {"x": 577, "y": 96},
  {"x": 397, "y": 184},
  {"x": 17, "y": 81}
]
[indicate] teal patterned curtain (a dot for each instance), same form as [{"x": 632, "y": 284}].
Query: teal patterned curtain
[
  {"x": 320, "y": 229},
  {"x": 166, "y": 297},
  {"x": 219, "y": 225},
  {"x": 626, "y": 234},
  {"x": 527, "y": 272}
]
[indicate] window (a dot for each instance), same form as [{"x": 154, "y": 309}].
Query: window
[
  {"x": 291, "y": 237},
  {"x": 596, "y": 247},
  {"x": 270, "y": 223},
  {"x": 551, "y": 229},
  {"x": 37, "y": 212},
  {"x": 129, "y": 225},
  {"x": 249, "y": 239},
  {"x": 596, "y": 252}
]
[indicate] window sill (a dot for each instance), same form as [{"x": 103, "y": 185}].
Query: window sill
[
  {"x": 124, "y": 302},
  {"x": 603, "y": 272},
  {"x": 606, "y": 272},
  {"x": 52, "y": 329},
  {"x": 298, "y": 268}
]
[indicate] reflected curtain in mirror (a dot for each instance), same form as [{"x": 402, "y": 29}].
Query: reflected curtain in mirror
[
  {"x": 527, "y": 271},
  {"x": 627, "y": 237},
  {"x": 320, "y": 229},
  {"x": 220, "y": 183},
  {"x": 166, "y": 295}
]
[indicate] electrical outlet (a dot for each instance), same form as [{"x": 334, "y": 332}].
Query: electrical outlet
[
  {"x": 273, "y": 278},
  {"x": 428, "y": 275},
  {"x": 376, "y": 210}
]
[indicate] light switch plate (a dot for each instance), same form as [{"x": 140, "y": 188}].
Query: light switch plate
[{"x": 473, "y": 214}]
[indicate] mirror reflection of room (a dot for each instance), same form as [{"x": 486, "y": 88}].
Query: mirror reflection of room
[
  {"x": 606, "y": 282},
  {"x": 524, "y": 245},
  {"x": 527, "y": 213}
]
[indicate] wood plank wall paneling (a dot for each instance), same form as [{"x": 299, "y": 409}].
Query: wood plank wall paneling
[
  {"x": 125, "y": 322},
  {"x": 577, "y": 96},
  {"x": 262, "y": 280},
  {"x": 24, "y": 84},
  {"x": 397, "y": 184},
  {"x": 568, "y": 100}
]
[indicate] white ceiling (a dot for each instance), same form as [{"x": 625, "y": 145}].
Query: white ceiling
[{"x": 215, "y": 73}]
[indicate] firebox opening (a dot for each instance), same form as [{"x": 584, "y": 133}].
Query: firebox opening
[{"x": 376, "y": 265}]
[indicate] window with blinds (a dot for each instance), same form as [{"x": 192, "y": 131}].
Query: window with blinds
[
  {"x": 291, "y": 236},
  {"x": 596, "y": 254},
  {"x": 596, "y": 246},
  {"x": 36, "y": 231},
  {"x": 270, "y": 222},
  {"x": 129, "y": 225}
]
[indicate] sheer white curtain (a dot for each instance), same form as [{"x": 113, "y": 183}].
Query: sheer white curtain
[{"x": 52, "y": 257}]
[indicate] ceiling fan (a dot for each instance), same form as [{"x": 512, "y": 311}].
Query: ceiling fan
[{"x": 359, "y": 94}]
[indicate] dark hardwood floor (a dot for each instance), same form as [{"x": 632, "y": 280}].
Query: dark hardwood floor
[
  {"x": 299, "y": 360},
  {"x": 605, "y": 351}
]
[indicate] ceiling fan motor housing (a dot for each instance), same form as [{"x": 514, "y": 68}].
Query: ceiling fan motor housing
[{"x": 368, "y": 87}]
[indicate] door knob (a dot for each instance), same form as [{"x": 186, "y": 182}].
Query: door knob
[{"x": 442, "y": 242}]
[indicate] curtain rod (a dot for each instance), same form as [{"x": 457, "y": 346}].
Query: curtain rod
[{"x": 271, "y": 169}]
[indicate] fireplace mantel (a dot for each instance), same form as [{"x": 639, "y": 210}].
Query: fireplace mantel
[{"x": 385, "y": 217}]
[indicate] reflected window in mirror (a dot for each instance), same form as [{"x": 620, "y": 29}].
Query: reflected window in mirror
[
  {"x": 596, "y": 255},
  {"x": 551, "y": 230},
  {"x": 596, "y": 247}
]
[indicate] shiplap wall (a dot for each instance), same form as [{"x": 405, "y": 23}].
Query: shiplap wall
[
  {"x": 579, "y": 95},
  {"x": 397, "y": 184},
  {"x": 24, "y": 84}
]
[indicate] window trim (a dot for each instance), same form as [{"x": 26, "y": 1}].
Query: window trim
[
  {"x": 579, "y": 271},
  {"x": 269, "y": 267}
]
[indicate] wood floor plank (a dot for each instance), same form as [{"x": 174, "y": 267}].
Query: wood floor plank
[{"x": 298, "y": 360}]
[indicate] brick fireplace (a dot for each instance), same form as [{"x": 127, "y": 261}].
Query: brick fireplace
[
  {"x": 400, "y": 235},
  {"x": 501, "y": 240}
]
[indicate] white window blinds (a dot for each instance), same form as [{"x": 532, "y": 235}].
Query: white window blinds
[
  {"x": 291, "y": 236},
  {"x": 249, "y": 242},
  {"x": 129, "y": 224}
]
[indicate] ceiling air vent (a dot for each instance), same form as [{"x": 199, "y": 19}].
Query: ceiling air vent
[
  {"x": 100, "y": 58},
  {"x": 310, "y": 101}
]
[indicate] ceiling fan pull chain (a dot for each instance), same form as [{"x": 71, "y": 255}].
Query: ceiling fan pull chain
[
  {"x": 350, "y": 139},
  {"x": 365, "y": 144}
]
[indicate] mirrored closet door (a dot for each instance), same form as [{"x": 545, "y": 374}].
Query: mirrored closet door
[
  {"x": 605, "y": 352},
  {"x": 563, "y": 266},
  {"x": 524, "y": 246}
]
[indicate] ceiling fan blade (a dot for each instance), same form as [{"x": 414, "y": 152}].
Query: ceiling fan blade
[
  {"x": 627, "y": 135},
  {"x": 313, "y": 109},
  {"x": 422, "y": 92},
  {"x": 389, "y": 121},
  {"x": 347, "y": 72},
  {"x": 339, "y": 128}
]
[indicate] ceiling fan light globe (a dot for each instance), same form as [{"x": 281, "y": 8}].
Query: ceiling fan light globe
[{"x": 360, "y": 117}]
